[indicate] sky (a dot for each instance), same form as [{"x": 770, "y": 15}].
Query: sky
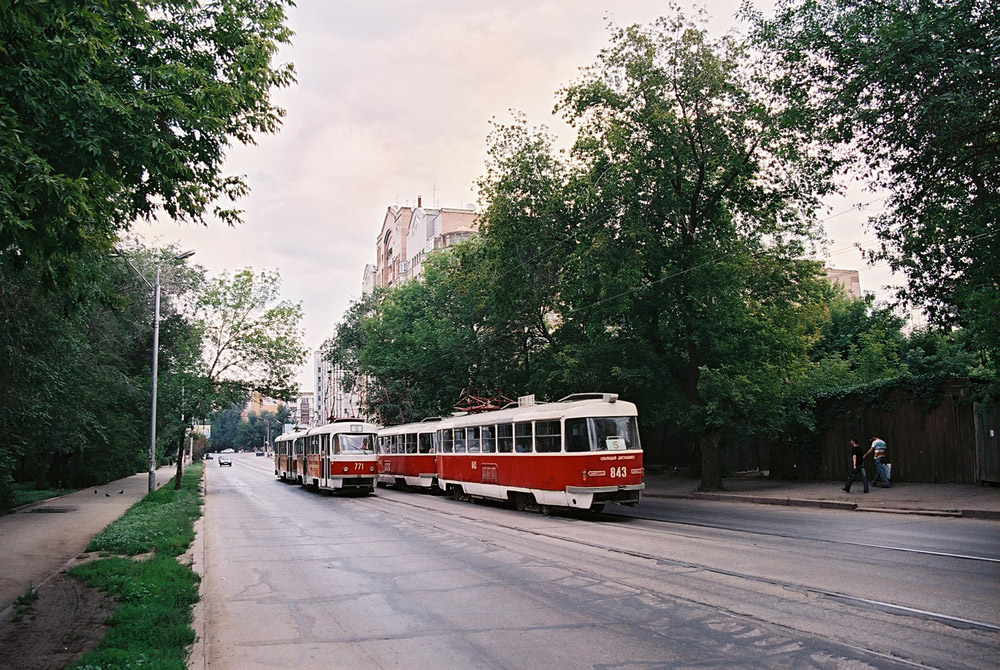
[{"x": 393, "y": 101}]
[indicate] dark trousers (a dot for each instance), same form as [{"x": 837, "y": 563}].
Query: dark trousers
[{"x": 850, "y": 479}]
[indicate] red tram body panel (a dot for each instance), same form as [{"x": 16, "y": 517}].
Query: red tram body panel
[{"x": 406, "y": 455}]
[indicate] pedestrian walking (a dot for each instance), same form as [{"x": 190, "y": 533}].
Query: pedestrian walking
[
  {"x": 857, "y": 466},
  {"x": 878, "y": 449}
]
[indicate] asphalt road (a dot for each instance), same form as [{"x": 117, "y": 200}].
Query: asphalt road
[{"x": 293, "y": 578}]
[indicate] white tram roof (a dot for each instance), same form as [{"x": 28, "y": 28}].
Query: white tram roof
[
  {"x": 579, "y": 405},
  {"x": 344, "y": 426},
  {"x": 339, "y": 426}
]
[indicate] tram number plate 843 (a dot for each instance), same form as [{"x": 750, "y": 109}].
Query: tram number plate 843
[{"x": 619, "y": 472}]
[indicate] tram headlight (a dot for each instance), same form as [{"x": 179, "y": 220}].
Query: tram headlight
[
  {"x": 371, "y": 468},
  {"x": 345, "y": 468}
]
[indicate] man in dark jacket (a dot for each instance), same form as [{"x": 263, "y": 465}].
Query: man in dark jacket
[{"x": 857, "y": 465}]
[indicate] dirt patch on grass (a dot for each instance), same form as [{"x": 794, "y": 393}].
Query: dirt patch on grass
[{"x": 66, "y": 620}]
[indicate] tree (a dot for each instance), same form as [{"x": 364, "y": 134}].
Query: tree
[
  {"x": 248, "y": 341},
  {"x": 74, "y": 376},
  {"x": 866, "y": 338},
  {"x": 252, "y": 341},
  {"x": 698, "y": 178},
  {"x": 910, "y": 88},
  {"x": 224, "y": 427},
  {"x": 112, "y": 111}
]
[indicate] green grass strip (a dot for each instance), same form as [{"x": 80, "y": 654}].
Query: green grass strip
[
  {"x": 25, "y": 494},
  {"x": 151, "y": 627}
]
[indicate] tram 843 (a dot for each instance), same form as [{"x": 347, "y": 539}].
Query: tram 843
[{"x": 580, "y": 452}]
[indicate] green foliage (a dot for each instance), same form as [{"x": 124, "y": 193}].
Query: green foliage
[
  {"x": 111, "y": 111},
  {"x": 151, "y": 626},
  {"x": 73, "y": 376},
  {"x": 224, "y": 428},
  {"x": 910, "y": 88},
  {"x": 25, "y": 493},
  {"x": 252, "y": 341}
]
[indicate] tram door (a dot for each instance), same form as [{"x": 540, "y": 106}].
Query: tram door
[{"x": 324, "y": 459}]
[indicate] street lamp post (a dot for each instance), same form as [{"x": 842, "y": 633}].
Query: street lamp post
[{"x": 156, "y": 350}]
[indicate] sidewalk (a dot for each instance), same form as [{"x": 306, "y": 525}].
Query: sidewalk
[
  {"x": 957, "y": 500},
  {"x": 39, "y": 540}
]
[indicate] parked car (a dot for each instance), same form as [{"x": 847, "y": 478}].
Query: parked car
[{"x": 225, "y": 460}]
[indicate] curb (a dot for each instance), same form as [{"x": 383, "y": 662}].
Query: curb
[
  {"x": 826, "y": 504},
  {"x": 766, "y": 500}
]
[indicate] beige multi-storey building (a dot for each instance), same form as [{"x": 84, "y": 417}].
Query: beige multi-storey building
[
  {"x": 849, "y": 279},
  {"x": 408, "y": 235}
]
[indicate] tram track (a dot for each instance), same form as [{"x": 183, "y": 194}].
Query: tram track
[
  {"x": 852, "y": 600},
  {"x": 789, "y": 536}
]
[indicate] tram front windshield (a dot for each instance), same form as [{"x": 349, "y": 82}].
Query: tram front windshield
[
  {"x": 356, "y": 444},
  {"x": 613, "y": 433}
]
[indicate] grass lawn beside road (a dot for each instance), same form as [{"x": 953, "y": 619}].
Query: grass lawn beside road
[{"x": 139, "y": 568}]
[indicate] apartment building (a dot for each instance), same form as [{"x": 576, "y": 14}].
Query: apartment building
[{"x": 408, "y": 235}]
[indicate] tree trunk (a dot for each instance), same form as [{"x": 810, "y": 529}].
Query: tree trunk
[
  {"x": 180, "y": 461},
  {"x": 41, "y": 468},
  {"x": 711, "y": 470}
]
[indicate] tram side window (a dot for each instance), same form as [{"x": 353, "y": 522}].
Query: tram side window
[
  {"x": 411, "y": 443},
  {"x": 522, "y": 437},
  {"x": 447, "y": 442},
  {"x": 489, "y": 439},
  {"x": 425, "y": 443},
  {"x": 472, "y": 439},
  {"x": 577, "y": 435},
  {"x": 505, "y": 438},
  {"x": 548, "y": 436},
  {"x": 459, "y": 440},
  {"x": 325, "y": 443}
]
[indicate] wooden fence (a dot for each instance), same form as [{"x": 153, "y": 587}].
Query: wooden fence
[{"x": 946, "y": 439}]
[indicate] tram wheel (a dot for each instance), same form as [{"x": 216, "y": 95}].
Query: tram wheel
[
  {"x": 518, "y": 499},
  {"x": 545, "y": 509},
  {"x": 598, "y": 508}
]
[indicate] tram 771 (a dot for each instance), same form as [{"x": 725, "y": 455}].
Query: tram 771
[{"x": 339, "y": 456}]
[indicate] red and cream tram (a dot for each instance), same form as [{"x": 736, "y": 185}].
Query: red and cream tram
[
  {"x": 580, "y": 452},
  {"x": 339, "y": 456},
  {"x": 406, "y": 455}
]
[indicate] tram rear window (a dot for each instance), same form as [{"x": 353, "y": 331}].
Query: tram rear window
[
  {"x": 602, "y": 434},
  {"x": 426, "y": 443},
  {"x": 355, "y": 444}
]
